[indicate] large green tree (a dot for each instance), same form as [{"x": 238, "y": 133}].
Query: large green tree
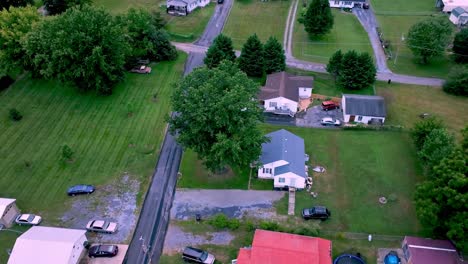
[
  {"x": 15, "y": 24},
  {"x": 460, "y": 46},
  {"x": 275, "y": 60},
  {"x": 457, "y": 81},
  {"x": 83, "y": 46},
  {"x": 217, "y": 116},
  {"x": 356, "y": 71},
  {"x": 429, "y": 38},
  {"x": 438, "y": 144},
  {"x": 251, "y": 59},
  {"x": 221, "y": 49},
  {"x": 55, "y": 7},
  {"x": 334, "y": 64},
  {"x": 423, "y": 128},
  {"x": 318, "y": 19},
  {"x": 6, "y": 4},
  {"x": 145, "y": 35}
]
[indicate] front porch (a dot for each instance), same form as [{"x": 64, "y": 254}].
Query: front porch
[{"x": 176, "y": 9}]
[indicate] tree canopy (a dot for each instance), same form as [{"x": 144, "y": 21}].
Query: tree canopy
[
  {"x": 318, "y": 19},
  {"x": 460, "y": 46},
  {"x": 275, "y": 60},
  {"x": 15, "y": 24},
  {"x": 83, "y": 46},
  {"x": 6, "y": 4},
  {"x": 438, "y": 144},
  {"x": 217, "y": 116},
  {"x": 429, "y": 38},
  {"x": 220, "y": 50},
  {"x": 457, "y": 81},
  {"x": 423, "y": 128},
  {"x": 55, "y": 7},
  {"x": 251, "y": 59},
  {"x": 354, "y": 71}
]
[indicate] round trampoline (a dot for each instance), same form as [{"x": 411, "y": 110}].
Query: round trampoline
[{"x": 348, "y": 259}]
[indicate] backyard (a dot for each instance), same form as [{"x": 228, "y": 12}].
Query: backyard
[
  {"x": 180, "y": 28},
  {"x": 265, "y": 18},
  {"x": 347, "y": 34},
  {"x": 110, "y": 136},
  {"x": 406, "y": 102},
  {"x": 395, "y": 19}
]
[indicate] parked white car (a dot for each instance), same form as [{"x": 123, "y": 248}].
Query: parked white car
[
  {"x": 328, "y": 121},
  {"x": 101, "y": 226},
  {"x": 28, "y": 219}
]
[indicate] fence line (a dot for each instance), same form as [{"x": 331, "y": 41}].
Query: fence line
[{"x": 361, "y": 236}]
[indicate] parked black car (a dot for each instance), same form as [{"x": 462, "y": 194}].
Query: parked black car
[
  {"x": 80, "y": 189},
  {"x": 316, "y": 212},
  {"x": 196, "y": 255},
  {"x": 103, "y": 251},
  {"x": 220, "y": 1}
]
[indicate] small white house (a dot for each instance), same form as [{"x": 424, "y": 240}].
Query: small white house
[
  {"x": 283, "y": 160},
  {"x": 448, "y": 5},
  {"x": 459, "y": 16},
  {"x": 8, "y": 211},
  {"x": 346, "y": 3},
  {"x": 184, "y": 7},
  {"x": 282, "y": 92},
  {"x": 49, "y": 245},
  {"x": 366, "y": 109}
]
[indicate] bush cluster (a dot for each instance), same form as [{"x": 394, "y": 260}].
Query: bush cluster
[{"x": 221, "y": 221}]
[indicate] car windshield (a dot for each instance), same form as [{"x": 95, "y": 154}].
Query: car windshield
[
  {"x": 31, "y": 217},
  {"x": 106, "y": 248},
  {"x": 204, "y": 256}
]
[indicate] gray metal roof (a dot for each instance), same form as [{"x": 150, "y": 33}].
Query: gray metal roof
[
  {"x": 457, "y": 11},
  {"x": 180, "y": 2},
  {"x": 365, "y": 105},
  {"x": 284, "y": 145}
]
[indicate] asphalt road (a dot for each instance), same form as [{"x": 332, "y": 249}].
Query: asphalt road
[{"x": 148, "y": 240}]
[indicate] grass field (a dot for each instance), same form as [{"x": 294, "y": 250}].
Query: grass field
[
  {"x": 106, "y": 139},
  {"x": 254, "y": 16},
  {"x": 347, "y": 34},
  {"x": 406, "y": 102},
  {"x": 361, "y": 167},
  {"x": 403, "y": 6},
  {"x": 182, "y": 29}
]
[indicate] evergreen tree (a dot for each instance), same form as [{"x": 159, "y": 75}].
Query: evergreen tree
[
  {"x": 275, "y": 60},
  {"x": 220, "y": 50},
  {"x": 251, "y": 59},
  {"x": 318, "y": 19},
  {"x": 357, "y": 71},
  {"x": 460, "y": 46},
  {"x": 334, "y": 64}
]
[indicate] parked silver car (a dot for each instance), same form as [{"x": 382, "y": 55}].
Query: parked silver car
[
  {"x": 328, "y": 121},
  {"x": 28, "y": 219},
  {"x": 101, "y": 226}
]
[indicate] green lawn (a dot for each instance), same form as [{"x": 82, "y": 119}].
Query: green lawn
[
  {"x": 106, "y": 139},
  {"x": 183, "y": 29},
  {"x": 403, "y": 6},
  {"x": 406, "y": 102},
  {"x": 254, "y": 16},
  {"x": 325, "y": 85},
  {"x": 361, "y": 167},
  {"x": 347, "y": 34}
]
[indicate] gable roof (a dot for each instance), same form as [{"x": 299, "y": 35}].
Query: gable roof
[
  {"x": 286, "y": 146},
  {"x": 4, "y": 203},
  {"x": 431, "y": 251},
  {"x": 365, "y": 105},
  {"x": 457, "y": 11},
  {"x": 180, "y": 2},
  {"x": 45, "y": 245},
  {"x": 270, "y": 247},
  {"x": 283, "y": 84}
]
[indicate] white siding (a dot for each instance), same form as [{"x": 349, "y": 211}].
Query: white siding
[
  {"x": 362, "y": 119},
  {"x": 203, "y": 3},
  {"x": 305, "y": 92},
  {"x": 453, "y": 19},
  {"x": 78, "y": 249},
  {"x": 299, "y": 182},
  {"x": 281, "y": 102},
  {"x": 341, "y": 4},
  {"x": 271, "y": 166}
]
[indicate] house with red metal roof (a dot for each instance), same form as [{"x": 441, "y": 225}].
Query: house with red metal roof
[
  {"x": 419, "y": 250},
  {"x": 270, "y": 247}
]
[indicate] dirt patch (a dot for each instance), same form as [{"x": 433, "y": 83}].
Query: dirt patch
[{"x": 114, "y": 202}]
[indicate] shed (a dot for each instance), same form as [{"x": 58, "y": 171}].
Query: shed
[
  {"x": 418, "y": 250},
  {"x": 8, "y": 211},
  {"x": 49, "y": 245},
  {"x": 459, "y": 16}
]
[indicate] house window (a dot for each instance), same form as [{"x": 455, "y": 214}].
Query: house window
[
  {"x": 348, "y": 3},
  {"x": 359, "y": 118},
  {"x": 281, "y": 180},
  {"x": 337, "y": 2},
  {"x": 273, "y": 104},
  {"x": 267, "y": 170}
]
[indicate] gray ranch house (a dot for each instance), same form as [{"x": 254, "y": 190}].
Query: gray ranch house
[
  {"x": 365, "y": 109},
  {"x": 346, "y": 3},
  {"x": 184, "y": 7}
]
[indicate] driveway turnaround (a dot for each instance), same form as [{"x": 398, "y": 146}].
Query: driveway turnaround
[
  {"x": 233, "y": 203},
  {"x": 315, "y": 114}
]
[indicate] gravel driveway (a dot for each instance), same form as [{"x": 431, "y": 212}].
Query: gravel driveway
[
  {"x": 233, "y": 203},
  {"x": 315, "y": 114}
]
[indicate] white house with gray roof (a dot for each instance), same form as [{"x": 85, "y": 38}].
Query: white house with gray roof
[
  {"x": 346, "y": 3},
  {"x": 366, "y": 109},
  {"x": 459, "y": 16},
  {"x": 184, "y": 7},
  {"x": 283, "y": 160}
]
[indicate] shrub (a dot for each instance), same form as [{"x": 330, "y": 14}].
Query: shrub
[
  {"x": 67, "y": 153},
  {"x": 306, "y": 231},
  {"x": 272, "y": 226},
  {"x": 15, "y": 115},
  {"x": 221, "y": 221}
]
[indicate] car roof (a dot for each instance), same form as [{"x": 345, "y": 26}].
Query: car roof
[
  {"x": 99, "y": 223},
  {"x": 320, "y": 209},
  {"x": 193, "y": 251},
  {"x": 328, "y": 102},
  {"x": 25, "y": 216},
  {"x": 107, "y": 248},
  {"x": 327, "y": 119}
]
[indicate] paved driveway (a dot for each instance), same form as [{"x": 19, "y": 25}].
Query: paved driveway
[
  {"x": 315, "y": 114},
  {"x": 233, "y": 203}
]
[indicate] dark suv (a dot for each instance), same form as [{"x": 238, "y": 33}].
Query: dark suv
[
  {"x": 316, "y": 212},
  {"x": 196, "y": 255}
]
